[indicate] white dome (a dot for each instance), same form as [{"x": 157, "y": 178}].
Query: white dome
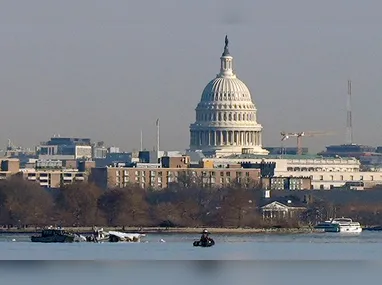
[
  {"x": 226, "y": 89},
  {"x": 226, "y": 116}
]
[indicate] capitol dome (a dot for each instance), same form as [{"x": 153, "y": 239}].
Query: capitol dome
[{"x": 226, "y": 120}]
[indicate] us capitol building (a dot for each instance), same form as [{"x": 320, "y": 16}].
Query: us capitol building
[
  {"x": 226, "y": 131},
  {"x": 226, "y": 119}
]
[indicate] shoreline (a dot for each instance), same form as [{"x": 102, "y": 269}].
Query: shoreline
[{"x": 158, "y": 230}]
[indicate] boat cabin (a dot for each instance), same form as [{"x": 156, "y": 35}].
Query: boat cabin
[{"x": 53, "y": 232}]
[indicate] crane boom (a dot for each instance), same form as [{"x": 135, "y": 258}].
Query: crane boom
[{"x": 299, "y": 135}]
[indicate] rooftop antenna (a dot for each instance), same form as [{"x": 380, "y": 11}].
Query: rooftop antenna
[
  {"x": 157, "y": 124},
  {"x": 141, "y": 141},
  {"x": 349, "y": 125}
]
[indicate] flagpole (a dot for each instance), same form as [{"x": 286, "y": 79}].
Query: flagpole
[{"x": 158, "y": 133}]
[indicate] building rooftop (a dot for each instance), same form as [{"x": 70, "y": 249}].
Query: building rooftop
[{"x": 288, "y": 156}]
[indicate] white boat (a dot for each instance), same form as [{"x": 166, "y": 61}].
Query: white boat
[{"x": 340, "y": 225}]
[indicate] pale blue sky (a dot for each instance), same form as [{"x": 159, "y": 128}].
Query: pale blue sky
[{"x": 106, "y": 69}]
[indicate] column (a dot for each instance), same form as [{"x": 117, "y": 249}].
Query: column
[
  {"x": 209, "y": 138},
  {"x": 215, "y": 143},
  {"x": 241, "y": 138},
  {"x": 260, "y": 138},
  {"x": 221, "y": 137}
]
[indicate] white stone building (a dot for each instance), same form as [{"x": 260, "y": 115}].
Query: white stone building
[
  {"x": 226, "y": 118},
  {"x": 325, "y": 172}
]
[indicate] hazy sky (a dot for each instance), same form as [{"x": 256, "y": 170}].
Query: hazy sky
[{"x": 106, "y": 69}]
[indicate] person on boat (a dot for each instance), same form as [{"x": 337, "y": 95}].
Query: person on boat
[{"x": 205, "y": 236}]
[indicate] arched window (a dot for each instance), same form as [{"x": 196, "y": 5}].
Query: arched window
[
  {"x": 234, "y": 117},
  {"x": 220, "y": 116},
  {"x": 229, "y": 117},
  {"x": 225, "y": 117}
]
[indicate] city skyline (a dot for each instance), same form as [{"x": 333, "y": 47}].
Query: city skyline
[{"x": 102, "y": 70}]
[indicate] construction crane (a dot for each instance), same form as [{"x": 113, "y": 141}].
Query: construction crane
[{"x": 285, "y": 136}]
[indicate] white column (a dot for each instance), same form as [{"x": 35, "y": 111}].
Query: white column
[
  {"x": 221, "y": 137},
  {"x": 215, "y": 143}
]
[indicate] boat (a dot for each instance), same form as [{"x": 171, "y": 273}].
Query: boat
[
  {"x": 209, "y": 243},
  {"x": 340, "y": 225},
  {"x": 51, "y": 235}
]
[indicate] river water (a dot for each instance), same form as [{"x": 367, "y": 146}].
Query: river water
[{"x": 171, "y": 258}]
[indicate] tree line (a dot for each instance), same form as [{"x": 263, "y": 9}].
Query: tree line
[{"x": 84, "y": 204}]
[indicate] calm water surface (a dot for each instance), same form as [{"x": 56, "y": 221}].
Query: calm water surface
[{"x": 266, "y": 258}]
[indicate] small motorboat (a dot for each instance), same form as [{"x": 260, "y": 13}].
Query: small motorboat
[{"x": 210, "y": 242}]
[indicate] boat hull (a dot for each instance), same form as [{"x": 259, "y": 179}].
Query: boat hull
[
  {"x": 209, "y": 243},
  {"x": 346, "y": 229},
  {"x": 53, "y": 239}
]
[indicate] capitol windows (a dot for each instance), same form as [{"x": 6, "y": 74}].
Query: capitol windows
[
  {"x": 225, "y": 117},
  {"x": 239, "y": 117},
  {"x": 214, "y": 117},
  {"x": 219, "y": 116},
  {"x": 229, "y": 117},
  {"x": 234, "y": 117}
]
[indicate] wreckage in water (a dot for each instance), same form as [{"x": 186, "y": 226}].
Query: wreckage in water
[{"x": 114, "y": 236}]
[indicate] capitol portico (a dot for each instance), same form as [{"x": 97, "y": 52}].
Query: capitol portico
[{"x": 226, "y": 121}]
